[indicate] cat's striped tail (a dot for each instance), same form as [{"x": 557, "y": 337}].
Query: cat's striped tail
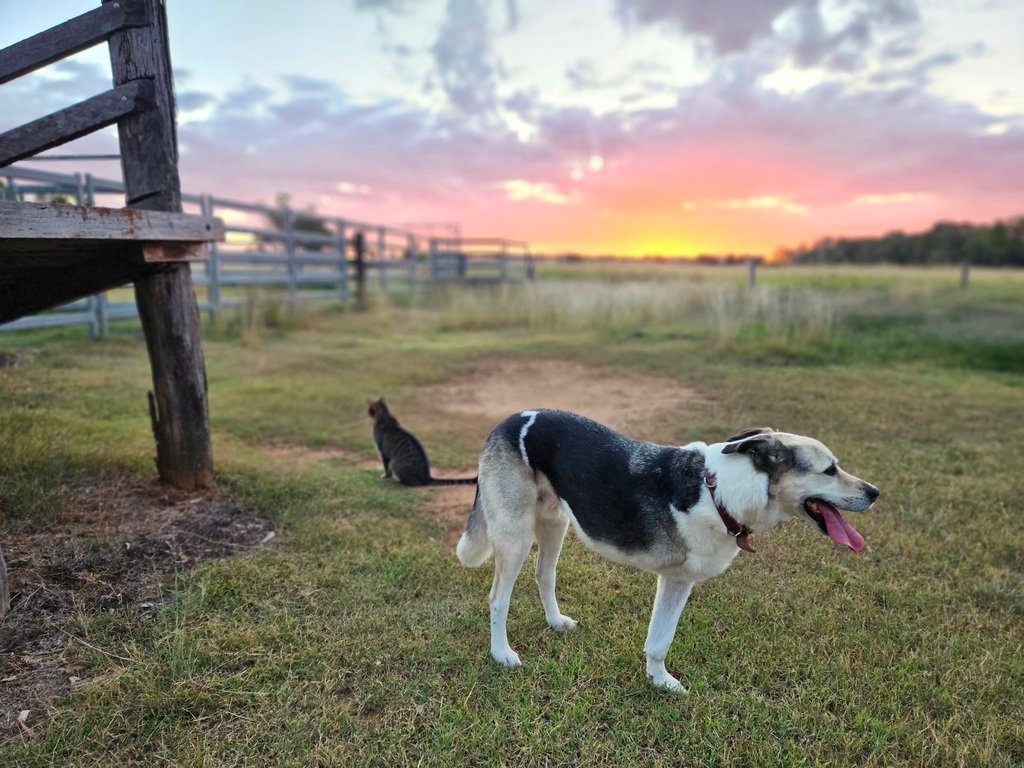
[
  {"x": 474, "y": 548},
  {"x": 453, "y": 481}
]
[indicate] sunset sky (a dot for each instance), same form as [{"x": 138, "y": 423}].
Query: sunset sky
[{"x": 597, "y": 126}]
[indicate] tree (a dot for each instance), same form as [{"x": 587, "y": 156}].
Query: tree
[
  {"x": 998, "y": 244},
  {"x": 302, "y": 222}
]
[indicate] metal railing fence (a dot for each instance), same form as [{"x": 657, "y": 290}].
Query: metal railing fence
[{"x": 299, "y": 255}]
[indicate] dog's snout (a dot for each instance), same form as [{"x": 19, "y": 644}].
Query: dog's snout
[{"x": 871, "y": 492}]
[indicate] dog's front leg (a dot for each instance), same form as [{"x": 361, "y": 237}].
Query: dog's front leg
[{"x": 669, "y": 601}]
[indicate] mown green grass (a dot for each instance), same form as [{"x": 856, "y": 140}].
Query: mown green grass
[{"x": 359, "y": 640}]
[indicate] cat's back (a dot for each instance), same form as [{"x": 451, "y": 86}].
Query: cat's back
[{"x": 407, "y": 457}]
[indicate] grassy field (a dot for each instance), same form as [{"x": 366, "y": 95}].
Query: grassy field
[{"x": 357, "y": 639}]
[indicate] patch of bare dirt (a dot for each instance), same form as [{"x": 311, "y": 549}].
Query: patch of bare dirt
[
  {"x": 491, "y": 389},
  {"x": 496, "y": 387},
  {"x": 113, "y": 550},
  {"x": 304, "y": 454}
]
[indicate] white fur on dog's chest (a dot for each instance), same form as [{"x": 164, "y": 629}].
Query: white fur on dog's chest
[{"x": 710, "y": 549}]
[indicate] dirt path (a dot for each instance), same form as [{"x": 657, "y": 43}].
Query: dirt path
[{"x": 494, "y": 388}]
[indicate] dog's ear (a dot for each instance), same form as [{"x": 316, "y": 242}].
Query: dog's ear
[
  {"x": 767, "y": 453},
  {"x": 747, "y": 433},
  {"x": 746, "y": 443}
]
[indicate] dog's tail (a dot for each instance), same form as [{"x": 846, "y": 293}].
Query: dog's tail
[{"x": 474, "y": 548}]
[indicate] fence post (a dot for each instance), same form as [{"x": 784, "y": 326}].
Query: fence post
[
  {"x": 342, "y": 245},
  {"x": 212, "y": 265},
  {"x": 288, "y": 218},
  {"x": 359, "y": 244},
  {"x": 965, "y": 275},
  {"x": 410, "y": 256},
  {"x": 78, "y": 191},
  {"x": 164, "y": 294},
  {"x": 382, "y": 262},
  {"x": 432, "y": 256},
  {"x": 102, "y": 320},
  {"x": 102, "y": 306},
  {"x": 751, "y": 274}
]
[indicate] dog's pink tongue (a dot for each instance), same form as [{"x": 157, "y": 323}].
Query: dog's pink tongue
[{"x": 840, "y": 531}]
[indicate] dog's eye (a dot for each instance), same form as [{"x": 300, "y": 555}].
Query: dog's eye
[{"x": 832, "y": 469}]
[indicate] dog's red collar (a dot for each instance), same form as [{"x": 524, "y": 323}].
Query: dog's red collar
[{"x": 739, "y": 532}]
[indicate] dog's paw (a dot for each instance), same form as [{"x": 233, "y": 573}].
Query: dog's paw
[
  {"x": 562, "y": 623},
  {"x": 672, "y": 685},
  {"x": 506, "y": 657},
  {"x": 669, "y": 683},
  {"x": 660, "y": 678}
]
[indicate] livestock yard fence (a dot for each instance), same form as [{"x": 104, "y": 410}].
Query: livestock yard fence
[{"x": 299, "y": 255}]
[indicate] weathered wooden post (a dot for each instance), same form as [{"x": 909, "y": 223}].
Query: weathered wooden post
[
  {"x": 752, "y": 274},
  {"x": 359, "y": 245},
  {"x": 342, "y": 245},
  {"x": 965, "y": 275},
  {"x": 164, "y": 293},
  {"x": 382, "y": 262}
]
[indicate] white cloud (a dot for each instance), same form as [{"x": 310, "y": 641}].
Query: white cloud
[
  {"x": 349, "y": 188},
  {"x": 755, "y": 203},
  {"x": 893, "y": 198},
  {"x": 760, "y": 203},
  {"x": 520, "y": 190}
]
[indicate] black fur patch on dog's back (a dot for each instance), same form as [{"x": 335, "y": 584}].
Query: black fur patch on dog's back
[{"x": 619, "y": 490}]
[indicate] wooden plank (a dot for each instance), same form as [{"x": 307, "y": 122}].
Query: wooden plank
[
  {"x": 163, "y": 293},
  {"x": 77, "y": 222},
  {"x": 69, "y": 38},
  {"x": 74, "y": 122}
]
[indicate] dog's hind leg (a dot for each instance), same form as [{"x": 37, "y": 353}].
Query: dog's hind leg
[
  {"x": 508, "y": 561},
  {"x": 550, "y": 533},
  {"x": 669, "y": 601}
]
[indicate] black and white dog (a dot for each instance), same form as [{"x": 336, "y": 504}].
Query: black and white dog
[{"x": 682, "y": 513}]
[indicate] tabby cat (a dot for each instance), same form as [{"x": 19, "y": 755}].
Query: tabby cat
[{"x": 401, "y": 452}]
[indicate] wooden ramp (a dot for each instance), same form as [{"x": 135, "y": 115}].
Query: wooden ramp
[{"x": 51, "y": 254}]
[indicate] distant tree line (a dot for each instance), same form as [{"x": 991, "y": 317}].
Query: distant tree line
[{"x": 999, "y": 244}]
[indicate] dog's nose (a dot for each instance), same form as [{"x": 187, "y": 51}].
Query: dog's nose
[{"x": 871, "y": 492}]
